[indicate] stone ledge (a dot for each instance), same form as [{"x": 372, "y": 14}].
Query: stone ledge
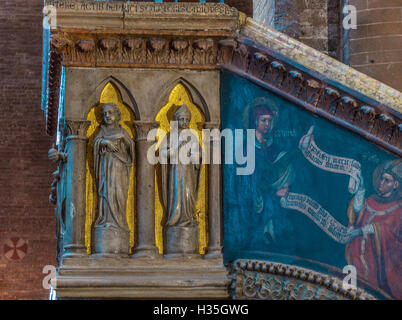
[{"x": 181, "y": 278}]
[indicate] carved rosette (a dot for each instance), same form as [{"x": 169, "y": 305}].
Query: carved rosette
[{"x": 263, "y": 280}]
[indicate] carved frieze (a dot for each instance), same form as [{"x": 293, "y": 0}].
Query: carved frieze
[
  {"x": 263, "y": 280},
  {"x": 139, "y": 50}
]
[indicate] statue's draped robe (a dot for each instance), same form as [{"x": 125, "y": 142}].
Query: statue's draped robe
[
  {"x": 112, "y": 173},
  {"x": 378, "y": 257},
  {"x": 179, "y": 189}
]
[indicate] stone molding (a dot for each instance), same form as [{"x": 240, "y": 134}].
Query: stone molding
[
  {"x": 322, "y": 64},
  {"x": 265, "y": 280},
  {"x": 136, "y": 50}
]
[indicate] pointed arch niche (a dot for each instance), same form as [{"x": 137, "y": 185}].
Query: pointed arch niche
[
  {"x": 109, "y": 93},
  {"x": 180, "y": 95}
]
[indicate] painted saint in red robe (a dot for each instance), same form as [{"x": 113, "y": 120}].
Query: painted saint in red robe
[{"x": 376, "y": 250}]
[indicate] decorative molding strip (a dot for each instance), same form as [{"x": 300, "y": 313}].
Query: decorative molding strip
[
  {"x": 321, "y": 63},
  {"x": 142, "y": 129},
  {"x": 137, "y": 50},
  {"x": 265, "y": 280}
]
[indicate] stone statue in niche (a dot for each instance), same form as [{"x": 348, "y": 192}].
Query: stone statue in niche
[
  {"x": 113, "y": 158},
  {"x": 180, "y": 164}
]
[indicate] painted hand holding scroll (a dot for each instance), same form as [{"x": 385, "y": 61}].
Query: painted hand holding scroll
[{"x": 313, "y": 209}]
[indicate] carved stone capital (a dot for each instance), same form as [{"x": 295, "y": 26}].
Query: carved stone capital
[
  {"x": 77, "y": 129},
  {"x": 142, "y": 129},
  {"x": 212, "y": 125}
]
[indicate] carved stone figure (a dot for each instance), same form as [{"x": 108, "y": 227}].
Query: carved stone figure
[
  {"x": 113, "y": 158},
  {"x": 180, "y": 183},
  {"x": 58, "y": 196}
]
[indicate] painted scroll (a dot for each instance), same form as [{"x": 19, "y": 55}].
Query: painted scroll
[{"x": 311, "y": 208}]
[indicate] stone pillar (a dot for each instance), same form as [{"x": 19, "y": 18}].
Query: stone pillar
[
  {"x": 214, "y": 249},
  {"x": 145, "y": 192},
  {"x": 76, "y": 143}
]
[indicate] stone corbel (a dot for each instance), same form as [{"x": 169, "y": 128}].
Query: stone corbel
[
  {"x": 226, "y": 51},
  {"x": 204, "y": 52},
  {"x": 265, "y": 280}
]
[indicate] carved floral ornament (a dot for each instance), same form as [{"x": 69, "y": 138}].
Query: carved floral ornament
[
  {"x": 264, "y": 280},
  {"x": 377, "y": 123}
]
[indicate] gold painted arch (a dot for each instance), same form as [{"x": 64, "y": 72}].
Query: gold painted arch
[
  {"x": 178, "y": 96},
  {"x": 110, "y": 93}
]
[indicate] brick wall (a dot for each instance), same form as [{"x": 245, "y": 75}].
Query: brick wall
[
  {"x": 25, "y": 172},
  {"x": 376, "y": 44},
  {"x": 313, "y": 22}
]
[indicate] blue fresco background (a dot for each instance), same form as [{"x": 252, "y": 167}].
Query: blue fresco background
[{"x": 299, "y": 241}]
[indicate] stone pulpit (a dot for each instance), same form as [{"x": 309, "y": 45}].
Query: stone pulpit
[{"x": 131, "y": 90}]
